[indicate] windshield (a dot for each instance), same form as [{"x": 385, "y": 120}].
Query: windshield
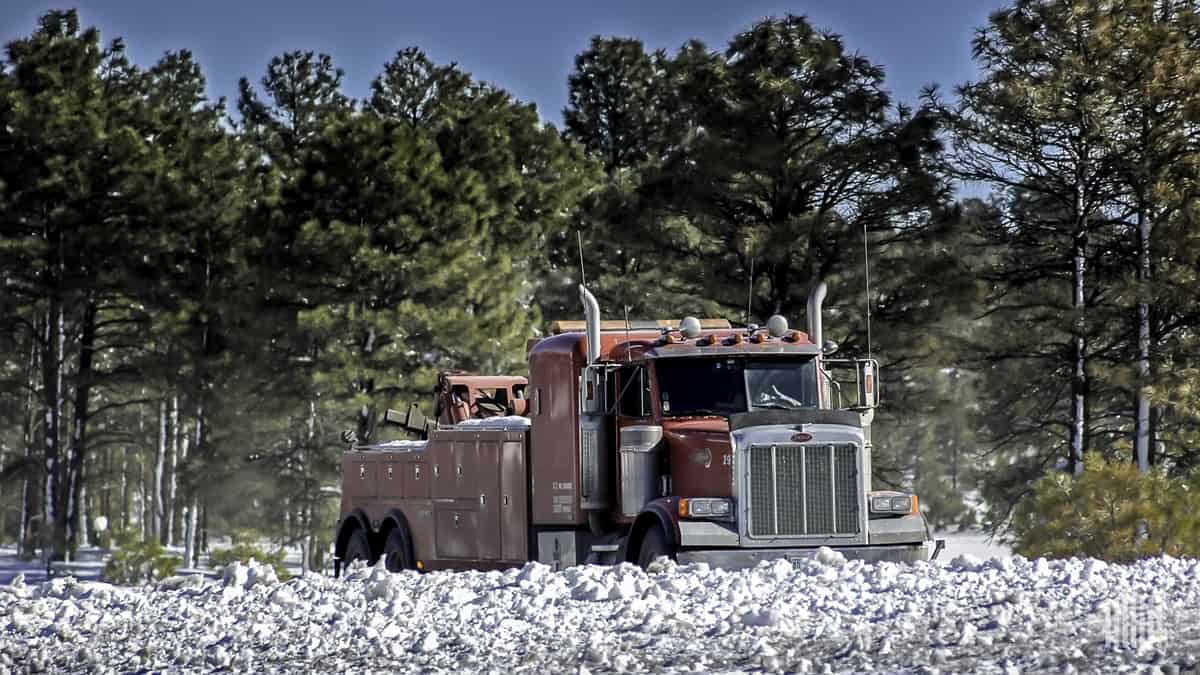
[{"x": 722, "y": 386}]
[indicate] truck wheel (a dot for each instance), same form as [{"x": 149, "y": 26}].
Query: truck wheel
[
  {"x": 358, "y": 548},
  {"x": 654, "y": 545},
  {"x": 397, "y": 552}
]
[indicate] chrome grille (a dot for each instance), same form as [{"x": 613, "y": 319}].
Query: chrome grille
[
  {"x": 762, "y": 489},
  {"x": 803, "y": 490}
]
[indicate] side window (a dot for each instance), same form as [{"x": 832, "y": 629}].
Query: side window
[{"x": 635, "y": 392}]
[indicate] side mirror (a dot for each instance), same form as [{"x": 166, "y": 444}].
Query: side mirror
[{"x": 853, "y": 384}]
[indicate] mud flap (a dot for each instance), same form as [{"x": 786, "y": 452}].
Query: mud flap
[{"x": 938, "y": 546}]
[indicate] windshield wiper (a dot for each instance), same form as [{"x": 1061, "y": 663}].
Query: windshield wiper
[{"x": 776, "y": 406}]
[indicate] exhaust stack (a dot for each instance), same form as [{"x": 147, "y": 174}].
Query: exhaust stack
[
  {"x": 815, "y": 299},
  {"x": 591, "y": 314}
]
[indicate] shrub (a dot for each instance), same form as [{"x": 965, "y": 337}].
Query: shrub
[
  {"x": 138, "y": 560},
  {"x": 1111, "y": 511},
  {"x": 243, "y": 552}
]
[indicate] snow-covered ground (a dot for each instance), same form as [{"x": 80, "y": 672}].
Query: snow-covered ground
[
  {"x": 974, "y": 543},
  {"x": 963, "y": 615}
]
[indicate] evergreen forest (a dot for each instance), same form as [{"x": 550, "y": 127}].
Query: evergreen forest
[{"x": 197, "y": 295}]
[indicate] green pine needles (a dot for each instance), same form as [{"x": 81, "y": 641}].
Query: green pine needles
[{"x": 1111, "y": 511}]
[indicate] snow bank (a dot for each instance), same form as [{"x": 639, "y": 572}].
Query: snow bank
[{"x": 826, "y": 615}]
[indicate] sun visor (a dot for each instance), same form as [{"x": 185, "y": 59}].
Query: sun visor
[{"x": 760, "y": 418}]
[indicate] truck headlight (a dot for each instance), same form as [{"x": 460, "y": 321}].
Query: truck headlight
[
  {"x": 706, "y": 507},
  {"x": 893, "y": 504}
]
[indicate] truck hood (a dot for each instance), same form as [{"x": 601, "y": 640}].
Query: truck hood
[{"x": 701, "y": 456}]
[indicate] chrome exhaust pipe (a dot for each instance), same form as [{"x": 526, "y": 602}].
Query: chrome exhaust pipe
[
  {"x": 815, "y": 299},
  {"x": 591, "y": 314}
]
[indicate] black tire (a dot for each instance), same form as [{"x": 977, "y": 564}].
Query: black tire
[
  {"x": 654, "y": 545},
  {"x": 397, "y": 551},
  {"x": 358, "y": 548}
]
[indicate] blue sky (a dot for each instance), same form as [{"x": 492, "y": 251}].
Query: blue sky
[{"x": 525, "y": 47}]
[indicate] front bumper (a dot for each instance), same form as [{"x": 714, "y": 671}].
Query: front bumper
[{"x": 743, "y": 558}]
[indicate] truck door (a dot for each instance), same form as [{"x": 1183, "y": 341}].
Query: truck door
[{"x": 639, "y": 475}]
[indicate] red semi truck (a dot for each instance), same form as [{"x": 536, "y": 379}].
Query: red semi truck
[{"x": 629, "y": 441}]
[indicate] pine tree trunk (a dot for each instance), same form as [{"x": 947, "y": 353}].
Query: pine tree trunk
[
  {"x": 189, "y": 516},
  {"x": 53, "y": 520},
  {"x": 189, "y": 534},
  {"x": 27, "y": 530},
  {"x": 194, "y": 543},
  {"x": 1079, "y": 383},
  {"x": 306, "y": 467},
  {"x": 173, "y": 470},
  {"x": 140, "y": 496},
  {"x": 81, "y": 513},
  {"x": 124, "y": 488},
  {"x": 203, "y": 528},
  {"x": 1142, "y": 421},
  {"x": 160, "y": 455},
  {"x": 82, "y": 415},
  {"x": 30, "y": 483},
  {"x": 143, "y": 498}
]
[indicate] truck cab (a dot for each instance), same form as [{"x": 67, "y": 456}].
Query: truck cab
[{"x": 711, "y": 443}]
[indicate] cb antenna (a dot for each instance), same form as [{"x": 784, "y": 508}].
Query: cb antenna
[
  {"x": 749, "y": 291},
  {"x": 582, "y": 270},
  {"x": 867, "y": 274}
]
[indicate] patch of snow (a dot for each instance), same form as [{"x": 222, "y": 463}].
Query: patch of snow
[
  {"x": 502, "y": 422},
  {"x": 394, "y": 446},
  {"x": 976, "y": 543}
]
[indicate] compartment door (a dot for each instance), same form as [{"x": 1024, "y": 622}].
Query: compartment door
[
  {"x": 485, "y": 470},
  {"x": 514, "y": 504},
  {"x": 457, "y": 533},
  {"x": 417, "y": 477},
  {"x": 390, "y": 479},
  {"x": 359, "y": 476}
]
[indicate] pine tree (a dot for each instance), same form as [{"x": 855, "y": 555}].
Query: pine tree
[
  {"x": 1036, "y": 128},
  {"x": 1153, "y": 79}
]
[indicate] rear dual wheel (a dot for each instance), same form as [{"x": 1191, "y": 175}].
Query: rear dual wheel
[
  {"x": 397, "y": 551},
  {"x": 357, "y": 548}
]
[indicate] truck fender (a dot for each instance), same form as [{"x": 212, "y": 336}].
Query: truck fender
[
  {"x": 354, "y": 520},
  {"x": 658, "y": 513}
]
